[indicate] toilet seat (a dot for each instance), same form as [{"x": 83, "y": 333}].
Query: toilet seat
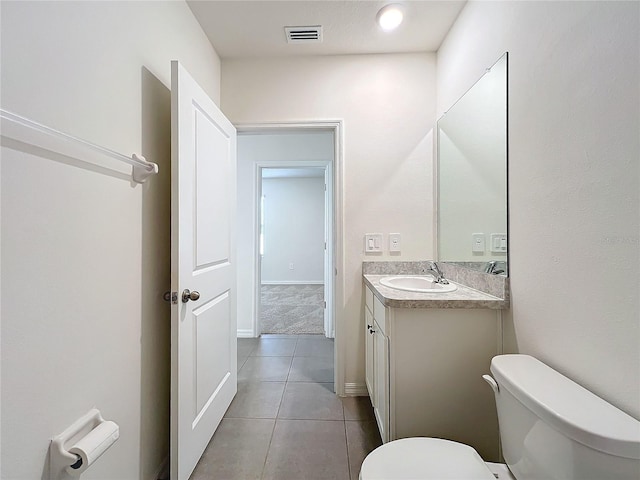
[{"x": 424, "y": 459}]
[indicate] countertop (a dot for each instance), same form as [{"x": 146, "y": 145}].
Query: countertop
[{"x": 463, "y": 297}]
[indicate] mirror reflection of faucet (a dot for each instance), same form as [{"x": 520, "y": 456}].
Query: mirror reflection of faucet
[{"x": 491, "y": 267}]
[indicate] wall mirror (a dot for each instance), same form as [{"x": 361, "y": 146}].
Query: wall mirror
[{"x": 472, "y": 176}]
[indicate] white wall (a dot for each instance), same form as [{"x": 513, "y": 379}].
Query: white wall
[
  {"x": 85, "y": 254},
  {"x": 293, "y": 230},
  {"x": 278, "y": 149},
  {"x": 387, "y": 103},
  {"x": 574, "y": 178}
]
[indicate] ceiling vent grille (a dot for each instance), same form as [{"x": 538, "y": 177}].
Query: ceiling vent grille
[{"x": 311, "y": 34}]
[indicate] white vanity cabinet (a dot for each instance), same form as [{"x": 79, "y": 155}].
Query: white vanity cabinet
[{"x": 424, "y": 370}]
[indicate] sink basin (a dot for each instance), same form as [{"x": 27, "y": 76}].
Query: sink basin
[{"x": 417, "y": 283}]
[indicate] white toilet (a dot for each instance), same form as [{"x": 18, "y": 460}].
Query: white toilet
[{"x": 550, "y": 428}]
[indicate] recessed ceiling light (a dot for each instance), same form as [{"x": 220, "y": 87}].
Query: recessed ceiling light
[{"x": 390, "y": 17}]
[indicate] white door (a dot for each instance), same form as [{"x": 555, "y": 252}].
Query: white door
[{"x": 203, "y": 330}]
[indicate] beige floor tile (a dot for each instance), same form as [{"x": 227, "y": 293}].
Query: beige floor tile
[
  {"x": 357, "y": 408},
  {"x": 275, "y": 347},
  {"x": 314, "y": 347},
  {"x": 256, "y": 400},
  {"x": 245, "y": 347},
  {"x": 311, "y": 369},
  {"x": 362, "y": 438},
  {"x": 307, "y": 450},
  {"x": 265, "y": 369},
  {"x": 310, "y": 401},
  {"x": 237, "y": 451}
]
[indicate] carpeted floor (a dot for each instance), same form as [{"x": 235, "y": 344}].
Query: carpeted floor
[{"x": 292, "y": 309}]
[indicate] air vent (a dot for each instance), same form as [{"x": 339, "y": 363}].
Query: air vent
[{"x": 311, "y": 34}]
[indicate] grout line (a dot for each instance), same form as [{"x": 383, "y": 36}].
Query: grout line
[
  {"x": 346, "y": 439},
  {"x": 295, "y": 350},
  {"x": 242, "y": 365},
  {"x": 275, "y": 422},
  {"x": 288, "y": 373},
  {"x": 346, "y": 446},
  {"x": 264, "y": 464},
  {"x": 284, "y": 390},
  {"x": 304, "y": 420}
]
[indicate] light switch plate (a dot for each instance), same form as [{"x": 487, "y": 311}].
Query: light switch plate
[
  {"x": 373, "y": 243},
  {"x": 499, "y": 242}
]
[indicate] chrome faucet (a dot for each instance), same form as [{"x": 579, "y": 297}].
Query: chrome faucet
[{"x": 437, "y": 273}]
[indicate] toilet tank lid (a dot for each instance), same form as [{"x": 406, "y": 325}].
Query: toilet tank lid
[{"x": 566, "y": 406}]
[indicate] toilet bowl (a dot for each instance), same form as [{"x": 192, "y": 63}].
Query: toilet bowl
[{"x": 550, "y": 428}]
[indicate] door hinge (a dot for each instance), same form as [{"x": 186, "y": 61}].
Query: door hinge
[
  {"x": 324, "y": 303},
  {"x": 171, "y": 297}
]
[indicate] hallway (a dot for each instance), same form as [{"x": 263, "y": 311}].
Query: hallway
[{"x": 286, "y": 423}]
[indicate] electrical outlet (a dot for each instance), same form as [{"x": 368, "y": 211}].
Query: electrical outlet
[
  {"x": 477, "y": 243},
  {"x": 394, "y": 242}
]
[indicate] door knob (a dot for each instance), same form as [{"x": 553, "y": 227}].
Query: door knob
[{"x": 187, "y": 295}]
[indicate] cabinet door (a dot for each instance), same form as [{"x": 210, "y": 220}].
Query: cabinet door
[
  {"x": 381, "y": 381},
  {"x": 369, "y": 368}
]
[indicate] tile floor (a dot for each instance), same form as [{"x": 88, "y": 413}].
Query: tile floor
[{"x": 286, "y": 423}]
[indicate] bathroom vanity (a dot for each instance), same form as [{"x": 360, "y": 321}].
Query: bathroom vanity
[
  {"x": 425, "y": 357},
  {"x": 426, "y": 351}
]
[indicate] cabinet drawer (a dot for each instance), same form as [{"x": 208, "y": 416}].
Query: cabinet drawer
[
  {"x": 368, "y": 298},
  {"x": 380, "y": 314}
]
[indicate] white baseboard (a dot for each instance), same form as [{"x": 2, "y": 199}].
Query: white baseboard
[
  {"x": 245, "y": 333},
  {"x": 356, "y": 390},
  {"x": 293, "y": 282}
]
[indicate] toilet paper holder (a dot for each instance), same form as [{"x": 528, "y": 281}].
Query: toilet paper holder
[{"x": 81, "y": 444}]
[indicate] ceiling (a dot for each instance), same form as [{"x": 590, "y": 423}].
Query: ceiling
[{"x": 245, "y": 29}]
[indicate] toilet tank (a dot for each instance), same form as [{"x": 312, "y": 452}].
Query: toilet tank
[{"x": 552, "y": 428}]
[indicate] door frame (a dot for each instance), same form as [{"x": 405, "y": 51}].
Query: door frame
[
  {"x": 334, "y": 244},
  {"x": 327, "y": 165}
]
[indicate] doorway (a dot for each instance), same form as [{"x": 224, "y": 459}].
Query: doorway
[
  {"x": 294, "y": 228},
  {"x": 296, "y": 143}
]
